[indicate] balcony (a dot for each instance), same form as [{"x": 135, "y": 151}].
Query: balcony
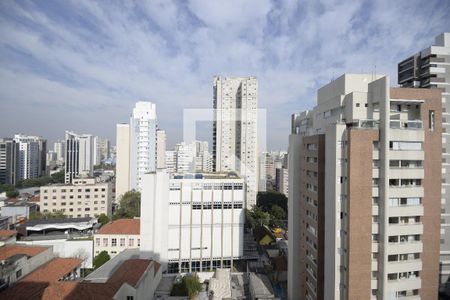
[
  {"x": 405, "y": 247},
  {"x": 404, "y": 266},
  {"x": 410, "y": 125},
  {"x": 368, "y": 124},
  {"x": 405, "y": 229}
]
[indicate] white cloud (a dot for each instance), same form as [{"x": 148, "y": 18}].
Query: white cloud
[{"x": 92, "y": 60}]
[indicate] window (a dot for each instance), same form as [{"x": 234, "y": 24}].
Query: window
[
  {"x": 130, "y": 242},
  {"x": 139, "y": 242},
  {"x": 19, "y": 273},
  {"x": 431, "y": 120},
  {"x": 122, "y": 242},
  {"x": 114, "y": 242},
  {"x": 130, "y": 298},
  {"x": 405, "y": 145},
  {"x": 105, "y": 242},
  {"x": 97, "y": 241}
]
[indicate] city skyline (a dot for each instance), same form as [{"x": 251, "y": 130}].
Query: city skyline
[{"x": 169, "y": 54}]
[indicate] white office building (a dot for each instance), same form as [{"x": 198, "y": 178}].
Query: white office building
[
  {"x": 195, "y": 222},
  {"x": 59, "y": 148},
  {"x": 139, "y": 147},
  {"x": 235, "y": 134},
  {"x": 101, "y": 150},
  {"x": 79, "y": 156}
]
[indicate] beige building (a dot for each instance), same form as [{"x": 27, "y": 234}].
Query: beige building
[
  {"x": 122, "y": 160},
  {"x": 83, "y": 198},
  {"x": 364, "y": 192},
  {"x": 235, "y": 130},
  {"x": 117, "y": 236}
]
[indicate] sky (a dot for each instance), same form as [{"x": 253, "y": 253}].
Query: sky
[{"x": 81, "y": 65}]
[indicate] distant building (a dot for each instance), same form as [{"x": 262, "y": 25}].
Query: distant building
[
  {"x": 189, "y": 158},
  {"x": 85, "y": 197},
  {"x": 19, "y": 210},
  {"x": 59, "y": 148},
  {"x": 195, "y": 222},
  {"x": 117, "y": 236},
  {"x": 79, "y": 157},
  {"x": 137, "y": 148},
  {"x": 31, "y": 154},
  {"x": 8, "y": 162},
  {"x": 282, "y": 181},
  {"x": 235, "y": 131},
  {"x": 101, "y": 150}
]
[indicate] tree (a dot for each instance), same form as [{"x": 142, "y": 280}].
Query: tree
[
  {"x": 188, "y": 286},
  {"x": 58, "y": 177},
  {"x": 277, "y": 216},
  {"x": 6, "y": 188},
  {"x": 12, "y": 194},
  {"x": 129, "y": 206},
  {"x": 103, "y": 219},
  {"x": 100, "y": 259},
  {"x": 265, "y": 200},
  {"x": 257, "y": 216},
  {"x": 193, "y": 285},
  {"x": 47, "y": 215}
]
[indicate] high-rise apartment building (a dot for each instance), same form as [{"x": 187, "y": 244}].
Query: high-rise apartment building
[
  {"x": 195, "y": 222},
  {"x": 59, "y": 149},
  {"x": 31, "y": 156},
  {"x": 364, "y": 192},
  {"x": 7, "y": 161},
  {"x": 101, "y": 150},
  {"x": 79, "y": 157},
  {"x": 235, "y": 130},
  {"x": 137, "y": 148},
  {"x": 430, "y": 68},
  {"x": 189, "y": 158}
]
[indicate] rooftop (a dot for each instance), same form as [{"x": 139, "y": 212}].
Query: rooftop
[
  {"x": 223, "y": 175},
  {"x": 122, "y": 226},
  {"x": 5, "y": 234},
  {"x": 11, "y": 250},
  {"x": 44, "y": 282}
]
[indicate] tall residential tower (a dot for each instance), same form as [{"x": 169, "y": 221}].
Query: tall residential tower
[
  {"x": 235, "y": 131},
  {"x": 364, "y": 192},
  {"x": 430, "y": 68}
]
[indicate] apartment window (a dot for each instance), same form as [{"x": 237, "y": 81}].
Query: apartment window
[
  {"x": 114, "y": 242},
  {"x": 394, "y": 145},
  {"x": 130, "y": 242},
  {"x": 358, "y": 105},
  {"x": 97, "y": 241},
  {"x": 19, "y": 273},
  {"x": 122, "y": 242},
  {"x": 130, "y": 298},
  {"x": 105, "y": 242},
  {"x": 431, "y": 120},
  {"x": 139, "y": 242}
]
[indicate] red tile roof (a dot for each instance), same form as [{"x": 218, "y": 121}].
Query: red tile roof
[
  {"x": 7, "y": 233},
  {"x": 11, "y": 250},
  {"x": 34, "y": 199},
  {"x": 122, "y": 226},
  {"x": 129, "y": 272},
  {"x": 39, "y": 283}
]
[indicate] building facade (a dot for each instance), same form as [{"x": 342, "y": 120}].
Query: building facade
[
  {"x": 137, "y": 148},
  {"x": 189, "y": 158},
  {"x": 83, "y": 198},
  {"x": 364, "y": 192},
  {"x": 31, "y": 154},
  {"x": 235, "y": 130},
  {"x": 101, "y": 150},
  {"x": 79, "y": 157},
  {"x": 7, "y": 161},
  {"x": 195, "y": 222},
  {"x": 117, "y": 236},
  {"x": 430, "y": 68}
]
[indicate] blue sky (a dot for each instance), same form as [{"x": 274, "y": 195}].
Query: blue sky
[{"x": 81, "y": 65}]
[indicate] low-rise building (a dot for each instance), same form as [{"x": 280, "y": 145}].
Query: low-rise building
[
  {"x": 16, "y": 261},
  {"x": 125, "y": 277},
  {"x": 117, "y": 236},
  {"x": 52, "y": 280},
  {"x": 19, "y": 210},
  {"x": 85, "y": 197},
  {"x": 7, "y": 237}
]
